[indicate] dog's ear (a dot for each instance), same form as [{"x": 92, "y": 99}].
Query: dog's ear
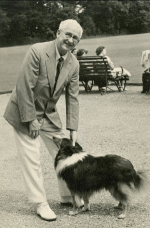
[
  {"x": 78, "y": 147},
  {"x": 57, "y": 141},
  {"x": 66, "y": 142}
]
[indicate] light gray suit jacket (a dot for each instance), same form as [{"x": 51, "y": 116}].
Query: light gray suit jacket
[{"x": 28, "y": 100}]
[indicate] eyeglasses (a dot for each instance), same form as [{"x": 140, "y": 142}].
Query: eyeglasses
[{"x": 69, "y": 35}]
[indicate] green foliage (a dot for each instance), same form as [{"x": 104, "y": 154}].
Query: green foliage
[
  {"x": 138, "y": 20},
  {"x": 88, "y": 25},
  {"x": 24, "y": 22},
  {"x": 4, "y": 23}
]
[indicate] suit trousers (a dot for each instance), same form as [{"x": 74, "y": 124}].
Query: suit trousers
[{"x": 28, "y": 150}]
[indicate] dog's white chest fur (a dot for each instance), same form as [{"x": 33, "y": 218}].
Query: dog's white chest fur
[{"x": 69, "y": 161}]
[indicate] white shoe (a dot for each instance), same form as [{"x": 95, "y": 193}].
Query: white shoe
[{"x": 44, "y": 211}]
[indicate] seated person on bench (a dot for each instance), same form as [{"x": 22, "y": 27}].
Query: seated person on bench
[
  {"x": 74, "y": 52},
  {"x": 81, "y": 52},
  {"x": 117, "y": 72}
]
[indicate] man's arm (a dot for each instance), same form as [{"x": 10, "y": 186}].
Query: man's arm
[
  {"x": 72, "y": 105},
  {"x": 27, "y": 80},
  {"x": 73, "y": 136}
]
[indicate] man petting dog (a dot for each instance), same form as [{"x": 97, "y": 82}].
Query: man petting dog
[{"x": 47, "y": 68}]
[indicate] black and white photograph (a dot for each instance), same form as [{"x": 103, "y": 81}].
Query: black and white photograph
[{"x": 75, "y": 114}]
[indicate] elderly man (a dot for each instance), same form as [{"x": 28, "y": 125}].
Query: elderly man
[{"x": 47, "y": 68}]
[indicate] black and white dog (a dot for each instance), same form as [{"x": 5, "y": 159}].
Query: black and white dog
[{"x": 85, "y": 174}]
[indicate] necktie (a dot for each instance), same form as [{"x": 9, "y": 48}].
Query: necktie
[{"x": 59, "y": 64}]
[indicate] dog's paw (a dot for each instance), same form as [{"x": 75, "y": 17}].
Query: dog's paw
[
  {"x": 122, "y": 216},
  {"x": 86, "y": 208},
  {"x": 119, "y": 207},
  {"x": 72, "y": 213}
]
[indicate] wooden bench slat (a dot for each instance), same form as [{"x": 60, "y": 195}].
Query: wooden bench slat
[{"x": 96, "y": 69}]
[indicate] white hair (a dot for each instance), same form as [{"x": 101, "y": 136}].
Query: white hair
[
  {"x": 73, "y": 23},
  {"x": 62, "y": 164}
]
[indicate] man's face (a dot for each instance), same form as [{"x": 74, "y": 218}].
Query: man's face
[{"x": 67, "y": 39}]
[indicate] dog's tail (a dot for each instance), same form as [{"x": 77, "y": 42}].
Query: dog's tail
[
  {"x": 142, "y": 180},
  {"x": 141, "y": 183},
  {"x": 139, "y": 188}
]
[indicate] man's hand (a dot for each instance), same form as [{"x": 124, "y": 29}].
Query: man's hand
[
  {"x": 73, "y": 136},
  {"x": 34, "y": 127}
]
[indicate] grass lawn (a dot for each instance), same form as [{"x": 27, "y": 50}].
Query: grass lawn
[{"x": 123, "y": 50}]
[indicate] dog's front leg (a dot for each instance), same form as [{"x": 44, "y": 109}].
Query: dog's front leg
[
  {"x": 86, "y": 204},
  {"x": 75, "y": 209},
  {"x": 124, "y": 213},
  {"x": 119, "y": 206}
]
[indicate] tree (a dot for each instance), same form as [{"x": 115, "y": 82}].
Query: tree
[
  {"x": 4, "y": 23},
  {"x": 139, "y": 17},
  {"x": 88, "y": 25},
  {"x": 38, "y": 20}
]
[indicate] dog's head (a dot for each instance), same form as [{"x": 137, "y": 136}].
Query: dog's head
[{"x": 65, "y": 146}]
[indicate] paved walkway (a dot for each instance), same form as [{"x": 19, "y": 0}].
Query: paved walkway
[{"x": 117, "y": 123}]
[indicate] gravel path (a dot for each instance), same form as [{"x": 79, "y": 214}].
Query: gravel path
[{"x": 115, "y": 123}]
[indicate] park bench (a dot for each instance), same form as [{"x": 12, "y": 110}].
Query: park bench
[{"x": 96, "y": 70}]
